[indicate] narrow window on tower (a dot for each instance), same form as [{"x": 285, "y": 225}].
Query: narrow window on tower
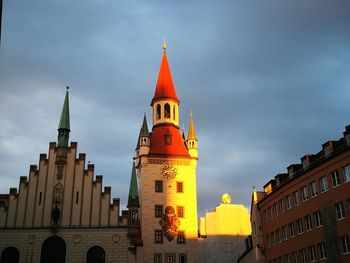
[
  {"x": 40, "y": 197},
  {"x": 180, "y": 211},
  {"x": 158, "y": 211},
  {"x": 158, "y": 186},
  {"x": 167, "y": 111},
  {"x": 158, "y": 236},
  {"x": 158, "y": 112},
  {"x": 157, "y": 257},
  {"x": 174, "y": 113},
  {"x": 167, "y": 137},
  {"x": 179, "y": 187},
  {"x": 181, "y": 237},
  {"x": 77, "y": 198}
]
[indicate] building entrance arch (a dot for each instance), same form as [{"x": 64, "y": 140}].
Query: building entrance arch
[
  {"x": 96, "y": 254},
  {"x": 53, "y": 250},
  {"x": 10, "y": 255}
]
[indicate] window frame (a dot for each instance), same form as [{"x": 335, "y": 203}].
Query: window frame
[
  {"x": 323, "y": 184},
  {"x": 346, "y": 173},
  {"x": 158, "y": 236},
  {"x": 335, "y": 178},
  {"x": 158, "y": 186},
  {"x": 157, "y": 209}
]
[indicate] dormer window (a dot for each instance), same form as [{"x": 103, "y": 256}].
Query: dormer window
[
  {"x": 167, "y": 111},
  {"x": 158, "y": 112},
  {"x": 167, "y": 137}
]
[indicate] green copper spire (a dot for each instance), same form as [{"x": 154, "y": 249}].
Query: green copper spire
[
  {"x": 64, "y": 125},
  {"x": 144, "y": 128},
  {"x": 133, "y": 200}
]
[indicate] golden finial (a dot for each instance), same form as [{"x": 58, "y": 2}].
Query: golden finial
[
  {"x": 164, "y": 44},
  {"x": 226, "y": 198}
]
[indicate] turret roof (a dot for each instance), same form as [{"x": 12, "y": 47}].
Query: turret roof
[
  {"x": 191, "y": 130},
  {"x": 133, "y": 200},
  {"x": 165, "y": 88},
  {"x": 64, "y": 121}
]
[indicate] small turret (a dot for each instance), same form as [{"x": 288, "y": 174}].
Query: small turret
[
  {"x": 192, "y": 142},
  {"x": 144, "y": 140},
  {"x": 64, "y": 125}
]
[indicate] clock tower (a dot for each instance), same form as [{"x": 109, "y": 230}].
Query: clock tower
[{"x": 166, "y": 169}]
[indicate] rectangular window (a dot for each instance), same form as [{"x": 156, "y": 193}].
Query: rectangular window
[
  {"x": 182, "y": 258},
  {"x": 318, "y": 219},
  {"x": 286, "y": 258},
  {"x": 170, "y": 258},
  {"x": 287, "y": 201},
  {"x": 300, "y": 226},
  {"x": 302, "y": 255},
  {"x": 269, "y": 213},
  {"x": 323, "y": 184},
  {"x": 272, "y": 238},
  {"x": 280, "y": 206},
  {"x": 295, "y": 198},
  {"x": 308, "y": 222},
  {"x": 284, "y": 232},
  {"x": 180, "y": 211},
  {"x": 157, "y": 258},
  {"x": 322, "y": 250},
  {"x": 40, "y": 197},
  {"x": 295, "y": 257},
  {"x": 158, "y": 186},
  {"x": 278, "y": 236},
  {"x": 304, "y": 193},
  {"x": 158, "y": 236},
  {"x": 181, "y": 237},
  {"x": 158, "y": 211},
  {"x": 275, "y": 212},
  {"x": 339, "y": 209},
  {"x": 344, "y": 245},
  {"x": 346, "y": 173},
  {"x": 291, "y": 229},
  {"x": 335, "y": 178},
  {"x": 312, "y": 254},
  {"x": 313, "y": 189},
  {"x": 179, "y": 187}
]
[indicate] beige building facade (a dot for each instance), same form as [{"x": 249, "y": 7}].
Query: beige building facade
[
  {"x": 223, "y": 232},
  {"x": 61, "y": 212}
]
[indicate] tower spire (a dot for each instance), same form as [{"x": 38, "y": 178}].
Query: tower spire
[
  {"x": 64, "y": 125},
  {"x": 144, "y": 129},
  {"x": 133, "y": 200},
  {"x": 191, "y": 130}
]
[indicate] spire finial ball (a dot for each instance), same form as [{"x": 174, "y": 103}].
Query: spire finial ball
[
  {"x": 67, "y": 87},
  {"x": 164, "y": 44},
  {"x": 226, "y": 198}
]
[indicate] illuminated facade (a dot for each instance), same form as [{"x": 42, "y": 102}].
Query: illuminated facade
[
  {"x": 304, "y": 215},
  {"x": 223, "y": 232},
  {"x": 166, "y": 168}
]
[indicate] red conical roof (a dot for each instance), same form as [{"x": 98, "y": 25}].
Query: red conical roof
[{"x": 165, "y": 88}]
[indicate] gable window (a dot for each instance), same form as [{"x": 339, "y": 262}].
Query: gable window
[
  {"x": 179, "y": 187},
  {"x": 159, "y": 186},
  {"x": 346, "y": 173},
  {"x": 335, "y": 178}
]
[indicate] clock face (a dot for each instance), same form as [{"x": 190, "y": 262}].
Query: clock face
[{"x": 168, "y": 171}]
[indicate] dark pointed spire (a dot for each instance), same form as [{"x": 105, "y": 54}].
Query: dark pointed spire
[
  {"x": 64, "y": 125},
  {"x": 144, "y": 129},
  {"x": 133, "y": 200}
]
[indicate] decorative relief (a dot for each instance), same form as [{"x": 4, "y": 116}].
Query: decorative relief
[
  {"x": 169, "y": 223},
  {"x": 116, "y": 238},
  {"x": 31, "y": 239},
  {"x": 58, "y": 194},
  {"x": 77, "y": 239}
]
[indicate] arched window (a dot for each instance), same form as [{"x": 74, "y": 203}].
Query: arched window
[
  {"x": 158, "y": 112},
  {"x": 53, "y": 250},
  {"x": 96, "y": 254},
  {"x": 167, "y": 111},
  {"x": 174, "y": 113},
  {"x": 10, "y": 254}
]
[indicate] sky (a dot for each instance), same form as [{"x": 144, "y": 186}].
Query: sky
[{"x": 267, "y": 82}]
